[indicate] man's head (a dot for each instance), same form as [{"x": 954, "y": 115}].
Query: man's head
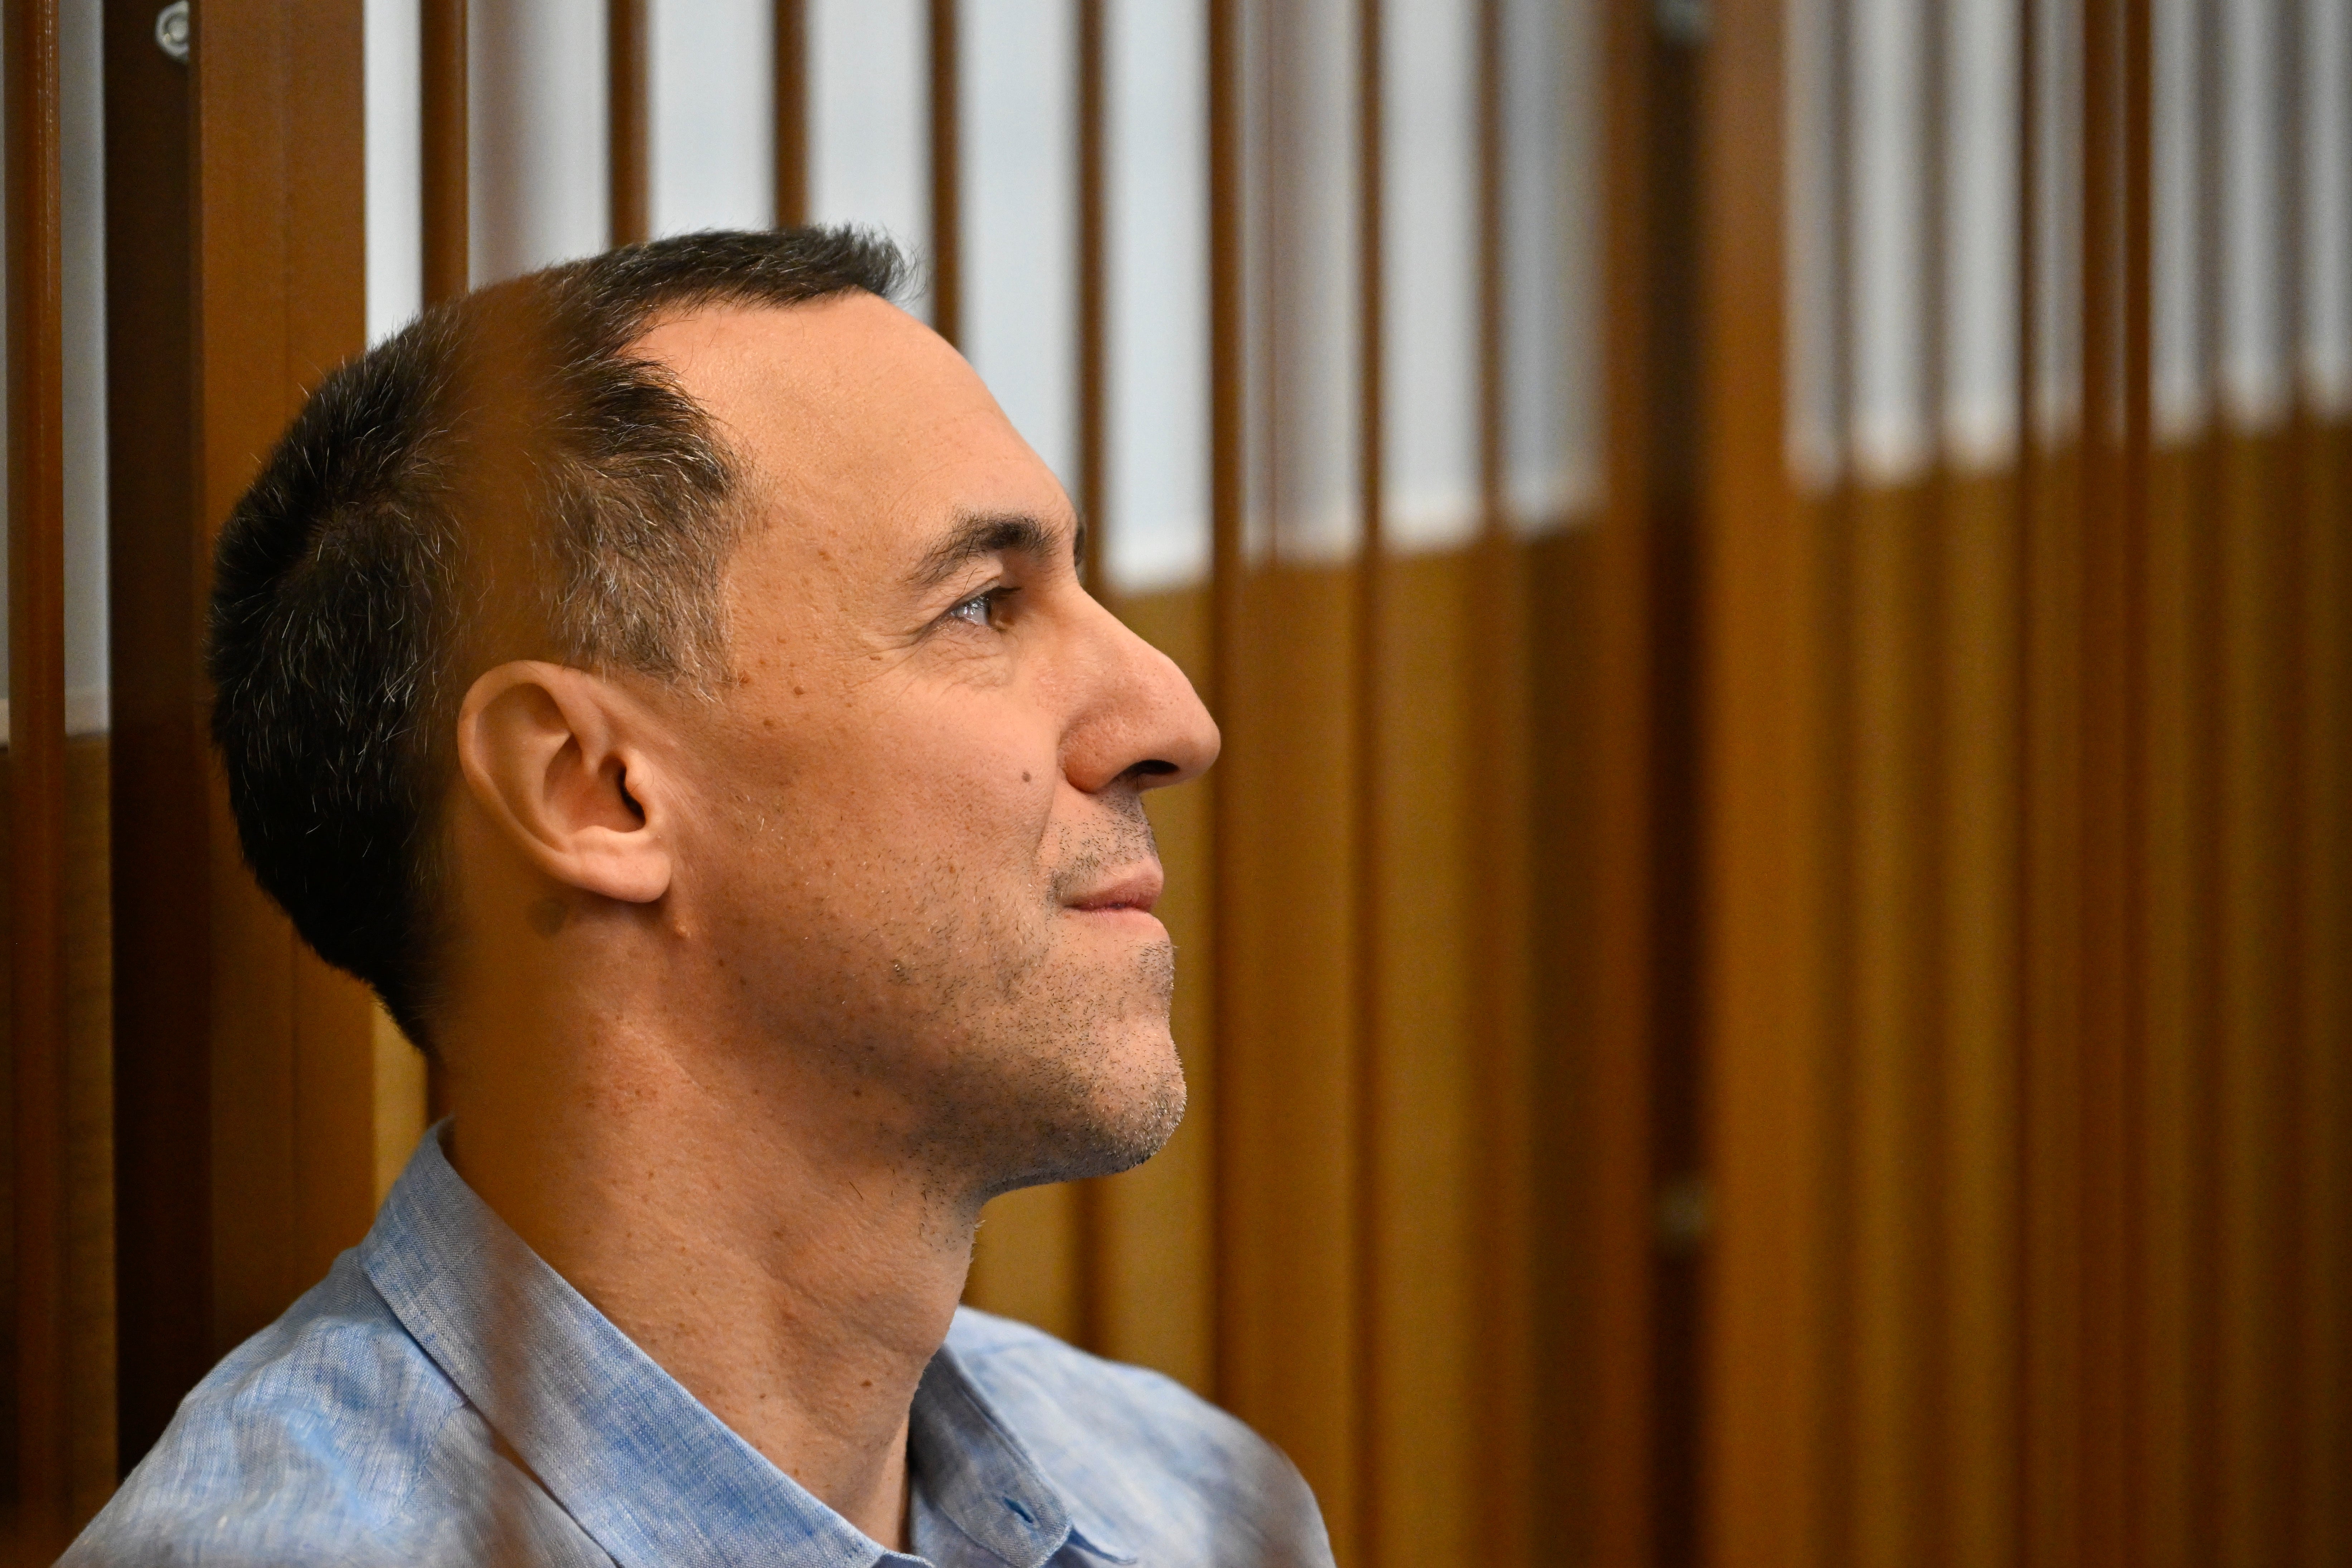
[{"x": 692, "y": 615}]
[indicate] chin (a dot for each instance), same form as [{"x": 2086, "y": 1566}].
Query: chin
[{"x": 1097, "y": 1117}]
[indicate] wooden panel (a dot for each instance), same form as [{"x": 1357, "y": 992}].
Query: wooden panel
[
  {"x": 1565, "y": 1120},
  {"x": 2255, "y": 1414},
  {"x": 1025, "y": 1263},
  {"x": 947, "y": 171},
  {"x": 1763, "y": 574},
  {"x": 629, "y": 119},
  {"x": 89, "y": 1132},
  {"x": 2323, "y": 1085},
  {"x": 280, "y": 271},
  {"x": 1286, "y": 1030},
  {"x": 446, "y": 160},
  {"x": 792, "y": 102},
  {"x": 2050, "y": 1086},
  {"x": 160, "y": 851},
  {"x": 39, "y": 1008},
  {"x": 1429, "y": 1278},
  {"x": 1892, "y": 1077},
  {"x": 2176, "y": 1450},
  {"x": 1976, "y": 571},
  {"x": 87, "y": 1370}
]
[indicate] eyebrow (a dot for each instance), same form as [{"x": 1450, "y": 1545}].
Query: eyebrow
[{"x": 976, "y": 538}]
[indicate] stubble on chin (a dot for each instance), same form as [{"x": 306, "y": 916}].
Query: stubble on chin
[{"x": 1068, "y": 1071}]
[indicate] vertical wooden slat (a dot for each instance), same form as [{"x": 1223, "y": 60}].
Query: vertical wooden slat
[
  {"x": 1764, "y": 1007},
  {"x": 2258, "y": 1382},
  {"x": 2300, "y": 1393},
  {"x": 947, "y": 170},
  {"x": 628, "y": 107},
  {"x": 2322, "y": 1355},
  {"x": 37, "y": 777},
  {"x": 1288, "y": 1047},
  {"x": 1093, "y": 172},
  {"x": 1228, "y": 371},
  {"x": 2108, "y": 814},
  {"x": 1833, "y": 513},
  {"x": 1626, "y": 806},
  {"x": 158, "y": 856},
  {"x": 1500, "y": 1457},
  {"x": 1975, "y": 602},
  {"x": 280, "y": 298},
  {"x": 448, "y": 264},
  {"x": 1368, "y": 838},
  {"x": 1092, "y": 1218},
  {"x": 792, "y": 108},
  {"x": 2049, "y": 763}
]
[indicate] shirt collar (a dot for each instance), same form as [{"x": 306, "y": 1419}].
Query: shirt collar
[{"x": 644, "y": 1468}]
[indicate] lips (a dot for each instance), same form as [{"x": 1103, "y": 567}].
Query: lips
[{"x": 1135, "y": 889}]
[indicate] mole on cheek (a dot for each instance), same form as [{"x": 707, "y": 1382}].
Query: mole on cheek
[{"x": 1024, "y": 775}]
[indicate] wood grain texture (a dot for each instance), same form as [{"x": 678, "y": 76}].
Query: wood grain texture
[
  {"x": 1894, "y": 1068},
  {"x": 1975, "y": 576},
  {"x": 2258, "y": 1384},
  {"x": 281, "y": 276},
  {"x": 1286, "y": 1045},
  {"x": 40, "y": 1002},
  {"x": 161, "y": 850},
  {"x": 1763, "y": 577},
  {"x": 446, "y": 151},
  {"x": 629, "y": 99},
  {"x": 792, "y": 101}
]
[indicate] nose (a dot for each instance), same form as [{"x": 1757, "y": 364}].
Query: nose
[{"x": 1142, "y": 723}]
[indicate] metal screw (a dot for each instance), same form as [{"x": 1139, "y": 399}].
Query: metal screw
[{"x": 172, "y": 28}]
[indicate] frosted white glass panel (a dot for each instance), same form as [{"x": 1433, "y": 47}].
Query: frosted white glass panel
[
  {"x": 2180, "y": 390},
  {"x": 2326, "y": 64},
  {"x": 869, "y": 119},
  {"x": 712, "y": 130},
  {"x": 2057, "y": 224},
  {"x": 2254, "y": 348},
  {"x": 1019, "y": 211},
  {"x": 82, "y": 243},
  {"x": 1980, "y": 227},
  {"x": 1429, "y": 319},
  {"x": 1308, "y": 223},
  {"x": 541, "y": 181},
  {"x": 1890, "y": 428},
  {"x": 1816, "y": 426},
  {"x": 82, "y": 157},
  {"x": 393, "y": 83},
  {"x": 1550, "y": 237},
  {"x": 1157, "y": 534}
]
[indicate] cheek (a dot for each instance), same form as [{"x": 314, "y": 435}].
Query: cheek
[{"x": 914, "y": 791}]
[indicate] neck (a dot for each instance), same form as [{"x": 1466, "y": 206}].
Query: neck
[{"x": 737, "y": 1225}]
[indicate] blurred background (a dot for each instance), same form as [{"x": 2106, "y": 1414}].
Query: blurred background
[{"x": 1764, "y": 973}]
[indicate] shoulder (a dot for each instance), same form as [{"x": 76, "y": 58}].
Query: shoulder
[
  {"x": 1175, "y": 1477},
  {"x": 306, "y": 1443}
]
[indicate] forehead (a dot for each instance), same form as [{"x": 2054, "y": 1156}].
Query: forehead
[{"x": 855, "y": 418}]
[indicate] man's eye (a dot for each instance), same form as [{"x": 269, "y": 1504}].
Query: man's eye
[{"x": 980, "y": 609}]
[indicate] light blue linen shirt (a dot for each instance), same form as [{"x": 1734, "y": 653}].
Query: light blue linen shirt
[{"x": 378, "y": 1421}]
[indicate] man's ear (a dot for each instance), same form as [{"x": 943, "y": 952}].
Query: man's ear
[{"x": 556, "y": 758}]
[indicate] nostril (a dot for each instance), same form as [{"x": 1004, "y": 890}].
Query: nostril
[{"x": 1154, "y": 768}]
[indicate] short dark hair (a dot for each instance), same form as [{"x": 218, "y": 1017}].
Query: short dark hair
[{"x": 349, "y": 577}]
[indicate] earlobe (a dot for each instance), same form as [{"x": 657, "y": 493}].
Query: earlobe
[{"x": 555, "y": 758}]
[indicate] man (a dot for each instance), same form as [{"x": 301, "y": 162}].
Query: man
[{"x": 665, "y": 680}]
